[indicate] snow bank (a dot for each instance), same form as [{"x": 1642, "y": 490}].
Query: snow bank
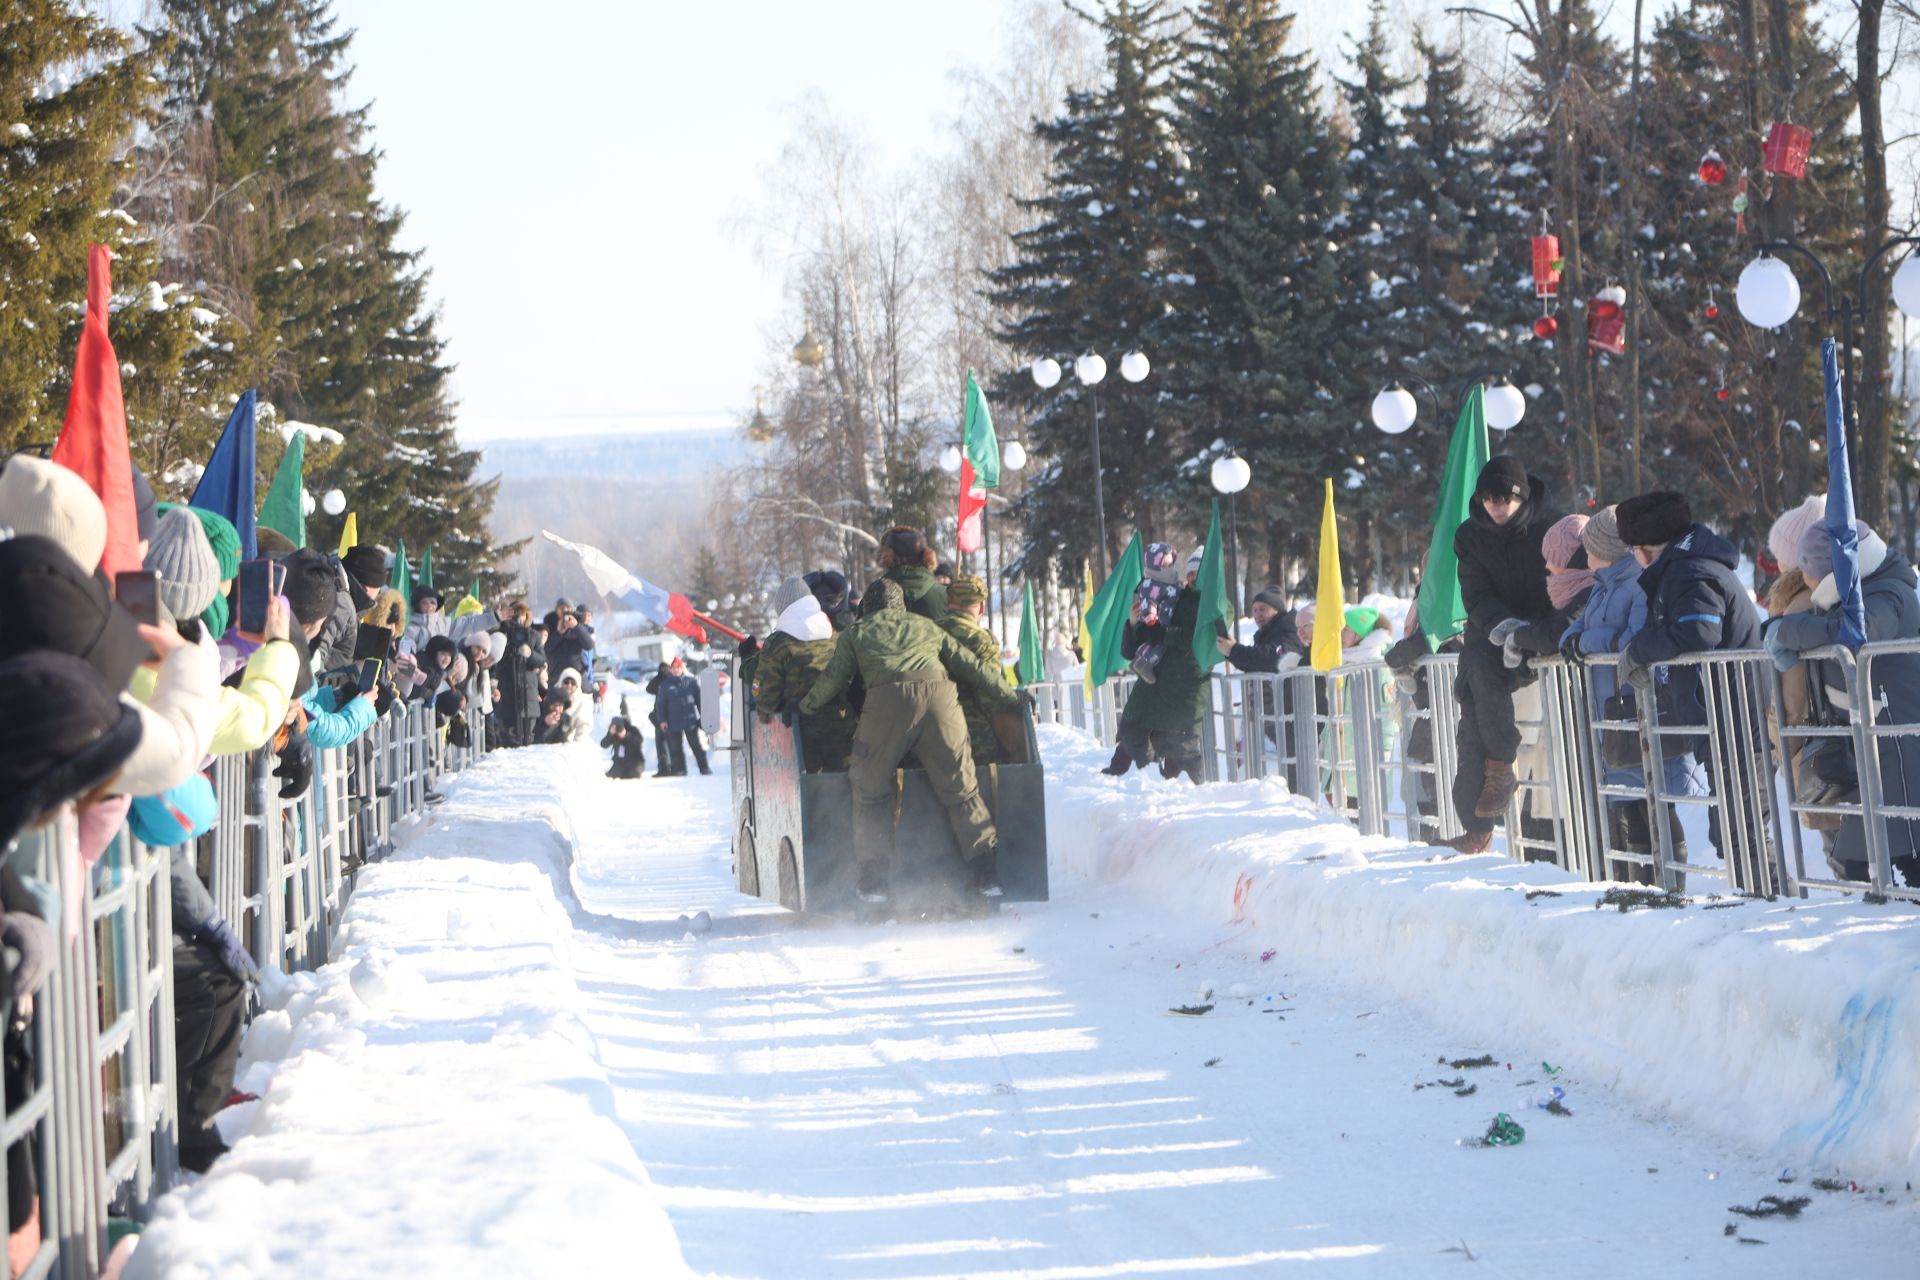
[
  {"x": 1788, "y": 1027},
  {"x": 431, "y": 1103}
]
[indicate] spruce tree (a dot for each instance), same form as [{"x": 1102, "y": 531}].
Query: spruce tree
[
  {"x": 1090, "y": 277},
  {"x": 1248, "y": 343},
  {"x": 73, "y": 92}
]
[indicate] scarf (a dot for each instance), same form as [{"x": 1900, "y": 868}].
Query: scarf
[{"x": 1564, "y": 588}]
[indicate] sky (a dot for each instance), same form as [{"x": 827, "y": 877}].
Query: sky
[{"x": 580, "y": 183}]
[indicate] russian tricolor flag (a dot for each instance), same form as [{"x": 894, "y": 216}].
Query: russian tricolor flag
[{"x": 665, "y": 608}]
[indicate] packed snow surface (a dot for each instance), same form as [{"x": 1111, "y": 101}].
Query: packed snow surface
[{"x": 525, "y": 1065}]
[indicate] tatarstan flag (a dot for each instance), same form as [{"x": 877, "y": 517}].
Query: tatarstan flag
[{"x": 979, "y": 466}]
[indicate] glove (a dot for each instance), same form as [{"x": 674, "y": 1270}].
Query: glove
[
  {"x": 1776, "y": 646},
  {"x": 219, "y": 935},
  {"x": 29, "y": 942},
  {"x": 1407, "y": 681},
  {"x": 1510, "y": 651},
  {"x": 1288, "y": 661},
  {"x": 1570, "y": 648},
  {"x": 295, "y": 770},
  {"x": 1504, "y": 628},
  {"x": 1634, "y": 672},
  {"x": 748, "y": 647}
]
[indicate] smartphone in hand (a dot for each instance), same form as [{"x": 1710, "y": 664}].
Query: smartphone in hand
[
  {"x": 138, "y": 592},
  {"x": 256, "y": 592},
  {"x": 370, "y": 675}
]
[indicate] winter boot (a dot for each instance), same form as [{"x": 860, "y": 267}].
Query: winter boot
[
  {"x": 1469, "y": 842},
  {"x": 1121, "y": 764},
  {"x": 875, "y": 884},
  {"x": 985, "y": 880},
  {"x": 1497, "y": 794}
]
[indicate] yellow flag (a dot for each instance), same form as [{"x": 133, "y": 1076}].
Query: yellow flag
[
  {"x": 1086, "y": 636},
  {"x": 349, "y": 535},
  {"x": 1330, "y": 605}
]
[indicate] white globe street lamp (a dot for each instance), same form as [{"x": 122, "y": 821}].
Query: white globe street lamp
[
  {"x": 1906, "y": 286},
  {"x": 1394, "y": 409},
  {"x": 1134, "y": 366},
  {"x": 1505, "y": 406},
  {"x": 1090, "y": 369},
  {"x": 1768, "y": 293},
  {"x": 307, "y": 504},
  {"x": 1013, "y": 456},
  {"x": 1046, "y": 373},
  {"x": 1231, "y": 474},
  {"x": 334, "y": 502},
  {"x": 950, "y": 459}
]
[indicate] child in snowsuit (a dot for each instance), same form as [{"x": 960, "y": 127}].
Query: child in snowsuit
[
  {"x": 629, "y": 748},
  {"x": 1153, "y": 602}
]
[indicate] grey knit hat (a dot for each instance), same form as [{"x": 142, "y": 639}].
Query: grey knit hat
[
  {"x": 37, "y": 496},
  {"x": 1816, "y": 548},
  {"x": 791, "y": 591},
  {"x": 182, "y": 556},
  {"x": 1601, "y": 537}
]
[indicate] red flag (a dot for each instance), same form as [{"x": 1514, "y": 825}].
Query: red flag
[
  {"x": 93, "y": 440},
  {"x": 973, "y": 501},
  {"x": 680, "y": 618}
]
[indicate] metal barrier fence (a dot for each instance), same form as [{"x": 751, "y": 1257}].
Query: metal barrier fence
[
  {"x": 99, "y": 1114},
  {"x": 1609, "y": 786}
]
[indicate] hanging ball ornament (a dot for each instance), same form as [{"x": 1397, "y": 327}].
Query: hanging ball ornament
[
  {"x": 1545, "y": 327},
  {"x": 334, "y": 502},
  {"x": 1723, "y": 395},
  {"x": 1713, "y": 311},
  {"x": 1713, "y": 170}
]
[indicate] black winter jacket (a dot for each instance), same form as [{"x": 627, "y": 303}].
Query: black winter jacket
[
  {"x": 1503, "y": 573},
  {"x": 1275, "y": 640},
  {"x": 1695, "y": 604}
]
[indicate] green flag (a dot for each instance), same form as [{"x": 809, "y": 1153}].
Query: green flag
[
  {"x": 426, "y": 567},
  {"x": 1107, "y": 619},
  {"x": 401, "y": 579},
  {"x": 1033, "y": 653},
  {"x": 1215, "y": 618},
  {"x": 981, "y": 446},
  {"x": 1442, "y": 612},
  {"x": 285, "y": 508},
  {"x": 474, "y": 590}
]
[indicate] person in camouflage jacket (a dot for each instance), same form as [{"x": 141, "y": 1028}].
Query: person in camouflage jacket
[
  {"x": 966, "y": 601},
  {"x": 910, "y": 667},
  {"x": 793, "y": 657}
]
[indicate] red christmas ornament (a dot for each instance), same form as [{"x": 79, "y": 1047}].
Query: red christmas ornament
[
  {"x": 1713, "y": 170},
  {"x": 1606, "y": 323},
  {"x": 1545, "y": 327},
  {"x": 1608, "y": 303},
  {"x": 1787, "y": 148},
  {"x": 1713, "y": 311},
  {"x": 1722, "y": 394}
]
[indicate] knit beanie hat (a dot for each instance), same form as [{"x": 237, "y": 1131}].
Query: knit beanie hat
[
  {"x": 1503, "y": 477},
  {"x": 830, "y": 588},
  {"x": 1654, "y": 519},
  {"x": 423, "y": 592},
  {"x": 1814, "y": 558},
  {"x": 313, "y": 588},
  {"x": 1272, "y": 597},
  {"x": 1563, "y": 540},
  {"x": 63, "y": 732},
  {"x": 1361, "y": 620},
  {"x": 189, "y": 572},
  {"x": 791, "y": 591},
  {"x": 145, "y": 506},
  {"x": 1601, "y": 537},
  {"x": 965, "y": 591},
  {"x": 41, "y": 497},
  {"x": 54, "y": 606},
  {"x": 1790, "y": 530},
  {"x": 221, "y": 536},
  {"x": 367, "y": 565}
]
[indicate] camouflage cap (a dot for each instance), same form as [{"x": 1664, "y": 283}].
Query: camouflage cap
[
  {"x": 881, "y": 593},
  {"x": 965, "y": 591}
]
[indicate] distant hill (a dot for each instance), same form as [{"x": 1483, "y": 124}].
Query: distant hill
[{"x": 668, "y": 459}]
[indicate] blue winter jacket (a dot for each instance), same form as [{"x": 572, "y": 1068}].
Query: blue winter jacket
[
  {"x": 1695, "y": 604},
  {"x": 1616, "y": 610},
  {"x": 328, "y": 724},
  {"x": 676, "y": 703}
]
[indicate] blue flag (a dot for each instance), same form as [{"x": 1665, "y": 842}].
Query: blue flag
[
  {"x": 1846, "y": 541},
  {"x": 228, "y": 486}
]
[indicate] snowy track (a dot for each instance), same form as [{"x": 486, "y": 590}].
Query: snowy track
[
  {"x": 523, "y": 1064},
  {"x": 1013, "y": 1098}
]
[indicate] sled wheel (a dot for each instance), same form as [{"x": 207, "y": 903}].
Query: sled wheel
[
  {"x": 746, "y": 866},
  {"x": 789, "y": 876}
]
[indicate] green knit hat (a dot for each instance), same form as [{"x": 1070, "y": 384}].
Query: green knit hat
[
  {"x": 1361, "y": 620},
  {"x": 221, "y": 533}
]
